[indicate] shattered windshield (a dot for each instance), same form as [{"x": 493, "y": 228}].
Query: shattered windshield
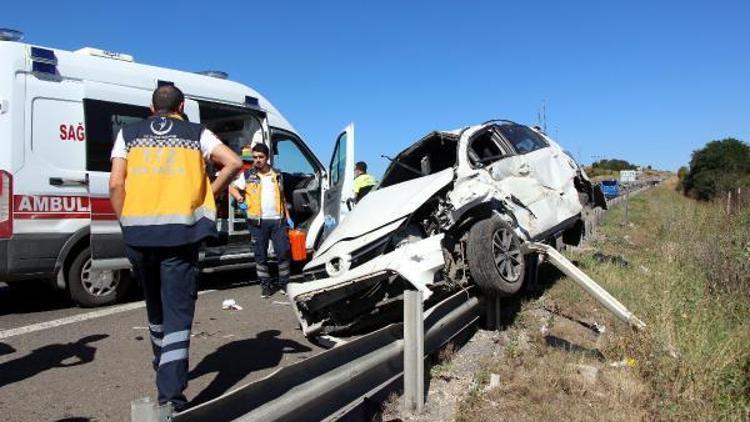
[{"x": 432, "y": 154}]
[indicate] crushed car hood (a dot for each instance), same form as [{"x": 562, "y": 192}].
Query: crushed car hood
[{"x": 386, "y": 205}]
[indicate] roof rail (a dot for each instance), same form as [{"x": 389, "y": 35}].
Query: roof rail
[
  {"x": 214, "y": 74},
  {"x": 96, "y": 52}
]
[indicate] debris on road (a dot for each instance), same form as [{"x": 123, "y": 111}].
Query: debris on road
[{"x": 231, "y": 305}]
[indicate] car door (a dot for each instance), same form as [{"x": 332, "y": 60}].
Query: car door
[
  {"x": 107, "y": 108},
  {"x": 340, "y": 180}
]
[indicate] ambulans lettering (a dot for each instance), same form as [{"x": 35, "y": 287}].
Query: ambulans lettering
[
  {"x": 43, "y": 206},
  {"x": 72, "y": 132}
]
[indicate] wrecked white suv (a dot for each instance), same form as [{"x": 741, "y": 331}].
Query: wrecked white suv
[{"x": 452, "y": 209}]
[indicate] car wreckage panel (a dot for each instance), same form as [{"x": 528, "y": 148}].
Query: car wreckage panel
[
  {"x": 408, "y": 234},
  {"x": 383, "y": 206},
  {"x": 417, "y": 262}
]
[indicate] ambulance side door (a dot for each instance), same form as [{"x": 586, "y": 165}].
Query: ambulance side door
[{"x": 340, "y": 180}]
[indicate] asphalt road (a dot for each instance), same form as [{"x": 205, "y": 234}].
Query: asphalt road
[{"x": 60, "y": 362}]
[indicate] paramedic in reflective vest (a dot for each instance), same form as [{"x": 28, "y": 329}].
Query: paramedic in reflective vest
[
  {"x": 363, "y": 182},
  {"x": 162, "y": 196},
  {"x": 267, "y": 218}
]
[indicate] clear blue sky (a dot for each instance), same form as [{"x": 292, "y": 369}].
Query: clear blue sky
[{"x": 648, "y": 82}]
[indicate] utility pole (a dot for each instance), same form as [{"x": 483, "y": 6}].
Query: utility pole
[{"x": 541, "y": 116}]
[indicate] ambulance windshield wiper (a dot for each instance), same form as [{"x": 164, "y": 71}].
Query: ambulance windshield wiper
[{"x": 406, "y": 166}]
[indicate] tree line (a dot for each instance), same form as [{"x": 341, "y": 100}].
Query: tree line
[{"x": 719, "y": 167}]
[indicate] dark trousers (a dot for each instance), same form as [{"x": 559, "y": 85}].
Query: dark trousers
[
  {"x": 169, "y": 277},
  {"x": 275, "y": 231}
]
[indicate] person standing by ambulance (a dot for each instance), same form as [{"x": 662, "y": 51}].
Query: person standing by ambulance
[
  {"x": 162, "y": 196},
  {"x": 267, "y": 218}
]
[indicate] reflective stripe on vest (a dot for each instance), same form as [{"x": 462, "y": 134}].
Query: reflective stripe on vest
[
  {"x": 254, "y": 193},
  {"x": 168, "y": 198}
]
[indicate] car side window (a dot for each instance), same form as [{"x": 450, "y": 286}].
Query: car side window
[
  {"x": 104, "y": 120},
  {"x": 485, "y": 149},
  {"x": 523, "y": 139}
]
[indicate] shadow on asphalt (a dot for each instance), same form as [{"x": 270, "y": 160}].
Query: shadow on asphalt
[
  {"x": 32, "y": 296},
  {"x": 6, "y": 349},
  {"x": 233, "y": 361},
  {"x": 36, "y": 296},
  {"x": 48, "y": 357}
]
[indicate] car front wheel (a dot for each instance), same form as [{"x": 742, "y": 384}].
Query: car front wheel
[
  {"x": 89, "y": 287},
  {"x": 496, "y": 262}
]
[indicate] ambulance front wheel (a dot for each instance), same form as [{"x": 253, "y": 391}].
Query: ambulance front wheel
[{"x": 90, "y": 288}]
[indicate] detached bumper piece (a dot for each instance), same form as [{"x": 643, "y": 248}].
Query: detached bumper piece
[{"x": 349, "y": 300}]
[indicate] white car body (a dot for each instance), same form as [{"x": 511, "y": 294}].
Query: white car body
[{"x": 535, "y": 191}]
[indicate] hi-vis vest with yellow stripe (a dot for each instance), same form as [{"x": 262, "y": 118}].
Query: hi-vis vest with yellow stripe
[
  {"x": 254, "y": 193},
  {"x": 168, "y": 198}
]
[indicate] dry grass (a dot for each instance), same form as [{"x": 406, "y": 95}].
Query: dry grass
[{"x": 688, "y": 280}]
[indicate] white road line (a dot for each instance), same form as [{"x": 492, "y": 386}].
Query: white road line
[{"x": 77, "y": 318}]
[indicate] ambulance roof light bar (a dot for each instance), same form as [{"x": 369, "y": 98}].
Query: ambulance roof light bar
[
  {"x": 7, "y": 34},
  {"x": 96, "y": 52}
]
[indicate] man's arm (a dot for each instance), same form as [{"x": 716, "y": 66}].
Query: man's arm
[
  {"x": 230, "y": 165},
  {"x": 236, "y": 194},
  {"x": 117, "y": 184}
]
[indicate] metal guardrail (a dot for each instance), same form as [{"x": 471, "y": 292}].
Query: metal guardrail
[{"x": 333, "y": 383}]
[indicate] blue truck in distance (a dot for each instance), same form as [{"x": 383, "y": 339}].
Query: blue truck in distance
[{"x": 610, "y": 188}]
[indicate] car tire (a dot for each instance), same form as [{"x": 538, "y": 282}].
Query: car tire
[
  {"x": 493, "y": 251},
  {"x": 89, "y": 288}
]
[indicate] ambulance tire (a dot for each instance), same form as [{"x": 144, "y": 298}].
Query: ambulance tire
[
  {"x": 89, "y": 289},
  {"x": 496, "y": 262}
]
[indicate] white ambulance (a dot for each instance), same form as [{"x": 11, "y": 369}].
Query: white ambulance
[{"x": 59, "y": 113}]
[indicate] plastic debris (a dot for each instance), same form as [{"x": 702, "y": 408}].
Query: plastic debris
[
  {"x": 628, "y": 362},
  {"x": 230, "y": 305},
  {"x": 276, "y": 302},
  {"x": 494, "y": 380}
]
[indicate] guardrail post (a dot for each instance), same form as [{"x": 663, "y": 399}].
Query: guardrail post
[
  {"x": 144, "y": 410},
  {"x": 627, "y": 196},
  {"x": 493, "y": 312},
  {"x": 413, "y": 351}
]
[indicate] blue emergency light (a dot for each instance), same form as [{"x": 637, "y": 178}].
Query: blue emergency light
[
  {"x": 7, "y": 34},
  {"x": 43, "y": 61},
  {"x": 252, "y": 101}
]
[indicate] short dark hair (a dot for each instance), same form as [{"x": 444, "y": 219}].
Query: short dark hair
[
  {"x": 361, "y": 166},
  {"x": 167, "y": 98},
  {"x": 262, "y": 148}
]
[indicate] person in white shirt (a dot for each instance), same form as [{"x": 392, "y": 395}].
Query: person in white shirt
[{"x": 261, "y": 194}]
